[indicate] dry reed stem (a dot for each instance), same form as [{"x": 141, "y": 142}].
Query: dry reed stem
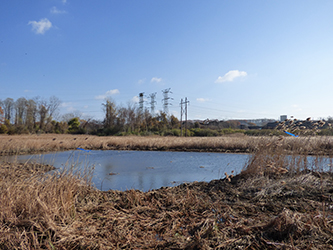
[
  {"x": 28, "y": 144},
  {"x": 258, "y": 209},
  {"x": 59, "y": 212}
]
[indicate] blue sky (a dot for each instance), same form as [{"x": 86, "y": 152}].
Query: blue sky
[{"x": 232, "y": 59}]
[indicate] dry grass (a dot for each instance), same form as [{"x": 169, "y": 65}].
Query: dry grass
[
  {"x": 280, "y": 156},
  {"x": 28, "y": 144},
  {"x": 261, "y": 208},
  {"x": 18, "y": 144},
  {"x": 64, "y": 212},
  {"x": 38, "y": 209}
]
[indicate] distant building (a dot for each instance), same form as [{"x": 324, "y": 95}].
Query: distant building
[{"x": 283, "y": 118}]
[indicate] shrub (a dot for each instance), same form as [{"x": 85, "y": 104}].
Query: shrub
[
  {"x": 172, "y": 132},
  {"x": 73, "y": 125},
  {"x": 328, "y": 132},
  {"x": 262, "y": 132},
  {"x": 3, "y": 129},
  {"x": 204, "y": 132},
  {"x": 227, "y": 131}
]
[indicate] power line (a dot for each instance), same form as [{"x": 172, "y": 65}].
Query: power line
[
  {"x": 141, "y": 102},
  {"x": 182, "y": 111},
  {"x": 166, "y": 100},
  {"x": 152, "y": 103},
  {"x": 181, "y": 117}
]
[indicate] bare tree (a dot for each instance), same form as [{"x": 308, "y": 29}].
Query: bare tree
[
  {"x": 20, "y": 110},
  {"x": 110, "y": 113},
  {"x": 131, "y": 116},
  {"x": 69, "y": 116},
  {"x": 46, "y": 109},
  {"x": 8, "y": 107},
  {"x": 52, "y": 106},
  {"x": 31, "y": 114}
]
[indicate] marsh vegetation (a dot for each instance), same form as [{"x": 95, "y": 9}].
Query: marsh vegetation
[
  {"x": 279, "y": 201},
  {"x": 29, "y": 144}
]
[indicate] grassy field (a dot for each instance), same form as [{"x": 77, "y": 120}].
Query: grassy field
[
  {"x": 29, "y": 144},
  {"x": 279, "y": 201}
]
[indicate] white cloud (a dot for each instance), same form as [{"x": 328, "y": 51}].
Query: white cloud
[
  {"x": 68, "y": 106},
  {"x": 54, "y": 10},
  {"x": 135, "y": 99},
  {"x": 41, "y": 26},
  {"x": 64, "y": 1},
  {"x": 107, "y": 93},
  {"x": 230, "y": 76},
  {"x": 112, "y": 92},
  {"x": 202, "y": 99},
  {"x": 155, "y": 79}
]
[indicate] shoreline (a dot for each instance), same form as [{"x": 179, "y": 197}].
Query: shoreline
[
  {"x": 34, "y": 144},
  {"x": 249, "y": 210},
  {"x": 267, "y": 206}
]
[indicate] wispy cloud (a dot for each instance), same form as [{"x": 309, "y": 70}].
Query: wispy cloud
[
  {"x": 55, "y": 10},
  {"x": 230, "y": 76},
  {"x": 156, "y": 79},
  {"x": 40, "y": 27},
  {"x": 203, "y": 99},
  {"x": 107, "y": 93},
  {"x": 64, "y": 1},
  {"x": 141, "y": 81},
  {"x": 68, "y": 106}
]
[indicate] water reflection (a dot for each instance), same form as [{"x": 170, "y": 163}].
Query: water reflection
[{"x": 146, "y": 170}]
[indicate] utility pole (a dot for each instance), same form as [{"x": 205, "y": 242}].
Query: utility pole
[
  {"x": 152, "y": 103},
  {"x": 181, "y": 116},
  {"x": 186, "y": 102},
  {"x": 166, "y": 100}
]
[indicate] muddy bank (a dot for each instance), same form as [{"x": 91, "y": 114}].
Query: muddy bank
[{"x": 248, "y": 211}]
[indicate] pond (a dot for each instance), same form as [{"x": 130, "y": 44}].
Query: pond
[{"x": 145, "y": 170}]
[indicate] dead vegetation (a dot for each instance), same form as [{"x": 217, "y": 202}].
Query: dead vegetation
[
  {"x": 261, "y": 208},
  {"x": 30, "y": 144}
]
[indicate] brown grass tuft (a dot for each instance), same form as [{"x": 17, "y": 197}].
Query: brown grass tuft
[
  {"x": 261, "y": 208},
  {"x": 36, "y": 208}
]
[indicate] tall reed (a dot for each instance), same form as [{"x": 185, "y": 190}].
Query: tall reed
[
  {"x": 36, "y": 208},
  {"x": 279, "y": 155}
]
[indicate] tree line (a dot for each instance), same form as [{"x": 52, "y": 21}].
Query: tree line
[
  {"x": 40, "y": 115},
  {"x": 29, "y": 115}
]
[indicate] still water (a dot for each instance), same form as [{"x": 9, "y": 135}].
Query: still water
[{"x": 145, "y": 170}]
